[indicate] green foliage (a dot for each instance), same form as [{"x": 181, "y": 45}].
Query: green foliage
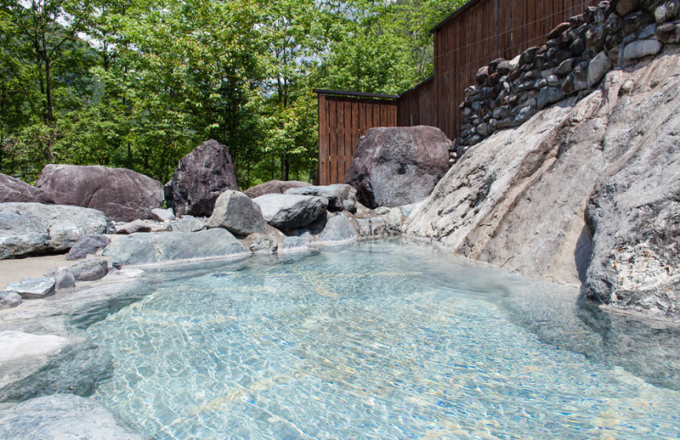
[{"x": 140, "y": 83}]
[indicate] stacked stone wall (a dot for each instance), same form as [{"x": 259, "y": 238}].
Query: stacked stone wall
[{"x": 574, "y": 60}]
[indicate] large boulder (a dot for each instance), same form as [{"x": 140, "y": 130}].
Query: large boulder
[
  {"x": 16, "y": 191},
  {"x": 237, "y": 213},
  {"x": 186, "y": 224},
  {"x": 634, "y": 216},
  {"x": 31, "y": 228},
  {"x": 274, "y": 187},
  {"x": 397, "y": 166},
  {"x": 340, "y": 196},
  {"x": 90, "y": 270},
  {"x": 158, "y": 248},
  {"x": 201, "y": 176},
  {"x": 287, "y": 211},
  {"x": 63, "y": 417},
  {"x": 123, "y": 195}
]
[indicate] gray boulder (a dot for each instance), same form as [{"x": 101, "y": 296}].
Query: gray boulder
[
  {"x": 641, "y": 49},
  {"x": 63, "y": 276},
  {"x": 295, "y": 244},
  {"x": 9, "y": 299},
  {"x": 16, "y": 191},
  {"x": 340, "y": 196},
  {"x": 133, "y": 227},
  {"x": 635, "y": 221},
  {"x": 162, "y": 215},
  {"x": 33, "y": 288},
  {"x": 393, "y": 221},
  {"x": 598, "y": 67},
  {"x": 338, "y": 230},
  {"x": 237, "y": 213},
  {"x": 88, "y": 245},
  {"x": 371, "y": 227},
  {"x": 274, "y": 187},
  {"x": 123, "y": 195},
  {"x": 90, "y": 270},
  {"x": 33, "y": 228},
  {"x": 398, "y": 165},
  {"x": 201, "y": 176},
  {"x": 158, "y": 248},
  {"x": 62, "y": 417},
  {"x": 287, "y": 211},
  {"x": 186, "y": 224}
]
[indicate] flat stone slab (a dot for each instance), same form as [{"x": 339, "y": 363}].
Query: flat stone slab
[
  {"x": 62, "y": 417},
  {"x": 288, "y": 211},
  {"x": 33, "y": 228},
  {"x": 31, "y": 288},
  {"x": 340, "y": 196},
  {"x": 142, "y": 249}
]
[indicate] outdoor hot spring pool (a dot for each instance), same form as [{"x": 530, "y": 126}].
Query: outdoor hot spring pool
[{"x": 382, "y": 340}]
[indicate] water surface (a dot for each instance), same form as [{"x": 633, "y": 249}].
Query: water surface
[{"x": 381, "y": 340}]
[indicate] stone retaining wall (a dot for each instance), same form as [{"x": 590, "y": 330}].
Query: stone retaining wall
[{"x": 575, "y": 58}]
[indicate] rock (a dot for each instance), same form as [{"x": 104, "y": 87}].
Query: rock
[
  {"x": 294, "y": 244},
  {"x": 524, "y": 115},
  {"x": 33, "y": 228},
  {"x": 338, "y": 230},
  {"x": 123, "y": 195},
  {"x": 162, "y": 215},
  {"x": 63, "y": 417},
  {"x": 16, "y": 191},
  {"x": 9, "y": 299},
  {"x": 393, "y": 221},
  {"x": 33, "y": 288},
  {"x": 667, "y": 11},
  {"x": 633, "y": 214},
  {"x": 201, "y": 176},
  {"x": 613, "y": 24},
  {"x": 88, "y": 245},
  {"x": 340, "y": 196},
  {"x": 287, "y": 211},
  {"x": 559, "y": 30},
  {"x": 549, "y": 95},
  {"x": 504, "y": 67},
  {"x": 408, "y": 210},
  {"x": 625, "y": 7},
  {"x": 363, "y": 212},
  {"x": 133, "y": 227},
  {"x": 90, "y": 270},
  {"x": 669, "y": 33},
  {"x": 483, "y": 129},
  {"x": 63, "y": 276},
  {"x": 371, "y": 227},
  {"x": 397, "y": 166},
  {"x": 640, "y": 49},
  {"x": 648, "y": 32},
  {"x": 482, "y": 74},
  {"x": 519, "y": 201},
  {"x": 383, "y": 210},
  {"x": 261, "y": 244},
  {"x": 169, "y": 197},
  {"x": 636, "y": 21},
  {"x": 572, "y": 85},
  {"x": 578, "y": 46},
  {"x": 274, "y": 187},
  {"x": 598, "y": 67},
  {"x": 237, "y": 213},
  {"x": 157, "y": 248},
  {"x": 186, "y": 224}
]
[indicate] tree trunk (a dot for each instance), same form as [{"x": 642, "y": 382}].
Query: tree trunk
[{"x": 48, "y": 86}]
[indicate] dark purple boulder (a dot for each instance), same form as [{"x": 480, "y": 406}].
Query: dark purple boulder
[
  {"x": 398, "y": 166},
  {"x": 123, "y": 195},
  {"x": 201, "y": 176},
  {"x": 274, "y": 187},
  {"x": 16, "y": 191}
]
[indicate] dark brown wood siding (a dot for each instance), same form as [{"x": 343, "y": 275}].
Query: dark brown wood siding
[
  {"x": 342, "y": 121},
  {"x": 416, "y": 107}
]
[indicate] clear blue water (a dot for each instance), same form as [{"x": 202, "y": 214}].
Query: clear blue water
[{"x": 379, "y": 340}]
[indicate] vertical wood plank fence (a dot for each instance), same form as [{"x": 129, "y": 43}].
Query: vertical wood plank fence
[
  {"x": 473, "y": 36},
  {"x": 342, "y": 121}
]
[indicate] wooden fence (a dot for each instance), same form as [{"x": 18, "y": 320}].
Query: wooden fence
[
  {"x": 342, "y": 121},
  {"x": 473, "y": 36}
]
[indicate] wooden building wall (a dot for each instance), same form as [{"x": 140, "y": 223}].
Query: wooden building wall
[
  {"x": 342, "y": 121},
  {"x": 416, "y": 106}
]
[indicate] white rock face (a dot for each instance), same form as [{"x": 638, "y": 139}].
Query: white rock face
[
  {"x": 518, "y": 199},
  {"x": 17, "y": 346}
]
